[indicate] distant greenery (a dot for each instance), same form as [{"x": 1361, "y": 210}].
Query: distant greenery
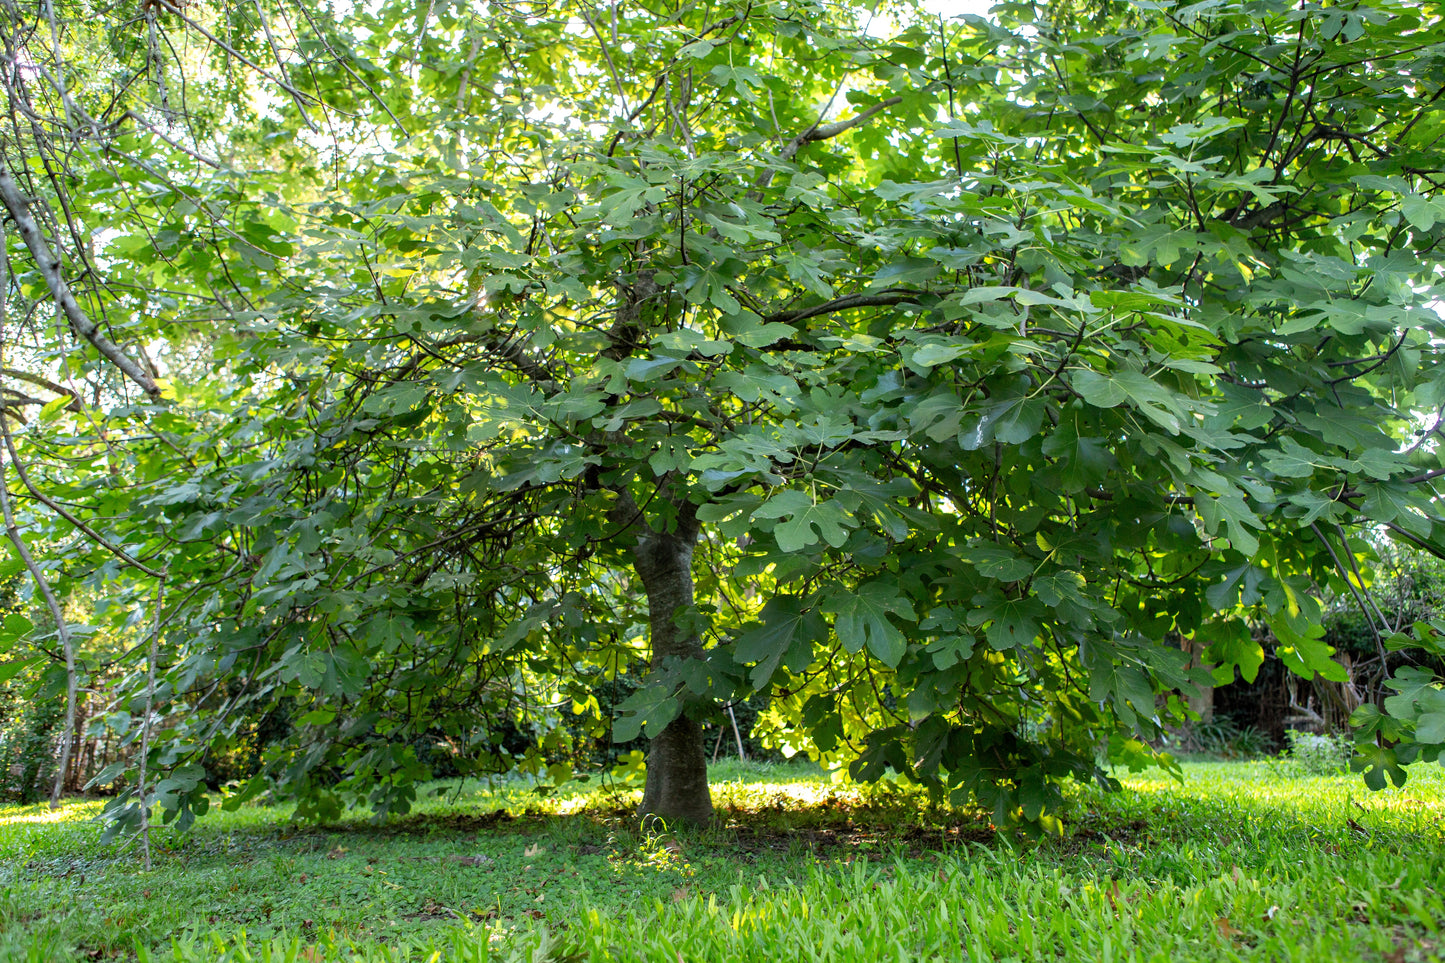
[
  {"x": 1222, "y": 736},
  {"x": 1244, "y": 861}
]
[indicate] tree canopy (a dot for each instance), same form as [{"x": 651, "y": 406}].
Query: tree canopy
[{"x": 415, "y": 368}]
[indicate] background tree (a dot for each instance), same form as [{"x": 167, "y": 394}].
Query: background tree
[{"x": 934, "y": 377}]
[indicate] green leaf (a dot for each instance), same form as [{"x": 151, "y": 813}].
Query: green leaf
[
  {"x": 807, "y": 521},
  {"x": 1305, "y": 651},
  {"x": 862, "y": 619},
  {"x": 1111, "y": 390},
  {"x": 649, "y": 710},
  {"x": 1376, "y": 762},
  {"x": 1231, "y": 644},
  {"x": 1012, "y": 623},
  {"x": 15, "y": 629},
  {"x": 1430, "y": 728},
  {"x": 1292, "y": 460},
  {"x": 788, "y": 630},
  {"x": 998, "y": 562},
  {"x": 1229, "y": 514}
]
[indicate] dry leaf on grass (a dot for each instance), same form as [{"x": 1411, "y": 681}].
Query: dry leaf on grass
[{"x": 480, "y": 859}]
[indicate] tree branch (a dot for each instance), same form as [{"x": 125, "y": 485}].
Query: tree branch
[
  {"x": 827, "y": 131},
  {"x": 46, "y": 383},
  {"x": 821, "y": 131},
  {"x": 49, "y": 266},
  {"x": 877, "y": 300}
]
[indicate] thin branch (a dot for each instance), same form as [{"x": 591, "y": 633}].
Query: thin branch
[
  {"x": 1425, "y": 476},
  {"x": 828, "y": 131},
  {"x": 1423, "y": 544},
  {"x": 132, "y": 115},
  {"x": 1359, "y": 601},
  {"x": 607, "y": 55},
  {"x": 46, "y": 383},
  {"x": 60, "y": 510},
  {"x": 296, "y": 95}
]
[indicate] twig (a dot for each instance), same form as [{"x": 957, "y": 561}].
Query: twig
[
  {"x": 876, "y": 300},
  {"x": 301, "y": 98},
  {"x": 1359, "y": 600},
  {"x": 132, "y": 115},
  {"x": 607, "y": 55}
]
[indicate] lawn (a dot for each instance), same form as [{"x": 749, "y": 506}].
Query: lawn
[{"x": 1244, "y": 861}]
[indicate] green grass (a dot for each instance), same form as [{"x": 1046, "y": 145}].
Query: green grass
[{"x": 1245, "y": 861}]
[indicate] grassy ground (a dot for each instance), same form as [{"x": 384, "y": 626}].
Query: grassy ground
[{"x": 1245, "y": 861}]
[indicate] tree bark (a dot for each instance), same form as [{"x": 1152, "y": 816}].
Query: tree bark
[{"x": 677, "y": 789}]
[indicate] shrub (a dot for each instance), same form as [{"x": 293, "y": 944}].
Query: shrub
[{"x": 1317, "y": 754}]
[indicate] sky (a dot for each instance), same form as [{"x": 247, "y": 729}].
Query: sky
[{"x": 953, "y": 8}]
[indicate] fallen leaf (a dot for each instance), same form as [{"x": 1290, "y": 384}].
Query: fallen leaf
[
  {"x": 1224, "y": 927},
  {"x": 535, "y": 850},
  {"x": 337, "y": 853},
  {"x": 480, "y": 859}
]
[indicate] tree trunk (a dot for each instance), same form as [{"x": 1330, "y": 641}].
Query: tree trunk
[{"x": 677, "y": 789}]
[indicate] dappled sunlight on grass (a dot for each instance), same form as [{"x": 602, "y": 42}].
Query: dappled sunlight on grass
[
  {"x": 1241, "y": 861},
  {"x": 1320, "y": 802},
  {"x": 780, "y": 794},
  {"x": 42, "y": 814}
]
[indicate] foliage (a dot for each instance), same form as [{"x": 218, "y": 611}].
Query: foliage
[
  {"x": 932, "y": 379},
  {"x": 1245, "y": 861}
]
